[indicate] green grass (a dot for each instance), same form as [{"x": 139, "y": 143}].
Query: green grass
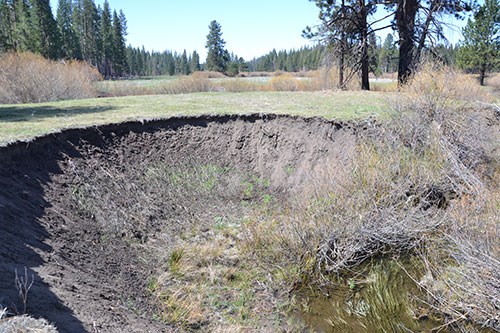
[{"x": 24, "y": 122}]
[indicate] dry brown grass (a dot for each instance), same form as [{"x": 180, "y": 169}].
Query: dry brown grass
[
  {"x": 30, "y": 78},
  {"x": 208, "y": 75},
  {"x": 435, "y": 86},
  {"x": 25, "y": 324},
  {"x": 237, "y": 85},
  {"x": 493, "y": 81},
  {"x": 185, "y": 85},
  {"x": 284, "y": 82},
  {"x": 319, "y": 80},
  {"x": 256, "y": 74}
]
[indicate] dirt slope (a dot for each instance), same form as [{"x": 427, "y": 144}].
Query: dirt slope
[{"x": 88, "y": 281}]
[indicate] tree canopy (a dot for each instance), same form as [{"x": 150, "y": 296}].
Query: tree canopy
[
  {"x": 348, "y": 24},
  {"x": 217, "y": 56},
  {"x": 81, "y": 31},
  {"x": 480, "y": 50}
]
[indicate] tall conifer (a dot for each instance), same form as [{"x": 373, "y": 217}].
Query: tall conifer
[
  {"x": 107, "y": 41},
  {"x": 119, "y": 55},
  {"x": 70, "y": 45}
]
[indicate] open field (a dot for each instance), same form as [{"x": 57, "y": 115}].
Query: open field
[
  {"x": 255, "y": 211},
  {"x": 23, "y": 122}
]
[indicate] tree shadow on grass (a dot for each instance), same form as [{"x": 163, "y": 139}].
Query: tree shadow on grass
[{"x": 35, "y": 112}]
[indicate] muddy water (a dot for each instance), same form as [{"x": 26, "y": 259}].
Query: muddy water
[{"x": 383, "y": 298}]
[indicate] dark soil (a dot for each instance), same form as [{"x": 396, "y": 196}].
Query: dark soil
[{"x": 91, "y": 270}]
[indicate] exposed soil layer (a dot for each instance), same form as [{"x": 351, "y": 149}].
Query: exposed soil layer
[{"x": 86, "y": 280}]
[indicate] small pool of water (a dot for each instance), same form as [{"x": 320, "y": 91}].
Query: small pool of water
[{"x": 383, "y": 298}]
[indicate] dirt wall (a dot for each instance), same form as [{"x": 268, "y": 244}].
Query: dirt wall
[{"x": 83, "y": 280}]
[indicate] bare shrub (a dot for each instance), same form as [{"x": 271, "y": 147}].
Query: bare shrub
[
  {"x": 30, "y": 78},
  {"x": 494, "y": 82},
  {"x": 208, "y": 75},
  {"x": 186, "y": 85},
  {"x": 257, "y": 74},
  {"x": 437, "y": 87},
  {"x": 446, "y": 121},
  {"x": 424, "y": 183},
  {"x": 237, "y": 85},
  {"x": 23, "y": 285},
  {"x": 327, "y": 78},
  {"x": 284, "y": 82}
]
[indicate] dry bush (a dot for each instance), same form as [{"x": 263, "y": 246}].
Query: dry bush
[
  {"x": 303, "y": 73},
  {"x": 257, "y": 74},
  {"x": 208, "y": 75},
  {"x": 327, "y": 78},
  {"x": 424, "y": 183},
  {"x": 309, "y": 84},
  {"x": 19, "y": 324},
  {"x": 186, "y": 85},
  {"x": 237, "y": 85},
  {"x": 446, "y": 120},
  {"x": 463, "y": 269},
  {"x": 494, "y": 82},
  {"x": 437, "y": 87},
  {"x": 30, "y": 78},
  {"x": 384, "y": 86},
  {"x": 284, "y": 82}
]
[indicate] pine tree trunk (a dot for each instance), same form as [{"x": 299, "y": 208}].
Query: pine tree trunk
[
  {"x": 341, "y": 62},
  {"x": 482, "y": 74},
  {"x": 405, "y": 20},
  {"x": 342, "y": 55},
  {"x": 365, "y": 66}
]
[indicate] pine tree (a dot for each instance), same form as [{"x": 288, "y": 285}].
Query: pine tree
[
  {"x": 119, "y": 55},
  {"x": 70, "y": 45},
  {"x": 185, "y": 68},
  {"x": 22, "y": 27},
  {"x": 170, "y": 63},
  {"x": 46, "y": 31},
  {"x": 480, "y": 50},
  {"x": 195, "y": 62},
  {"x": 373, "y": 54},
  {"x": 217, "y": 57},
  {"x": 86, "y": 23},
  {"x": 123, "y": 21},
  {"x": 6, "y": 43},
  {"x": 107, "y": 41},
  {"x": 388, "y": 55}
]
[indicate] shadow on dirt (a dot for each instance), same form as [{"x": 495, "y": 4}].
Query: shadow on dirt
[
  {"x": 30, "y": 113},
  {"x": 23, "y": 175}
]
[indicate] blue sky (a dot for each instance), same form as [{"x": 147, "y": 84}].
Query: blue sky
[{"x": 251, "y": 28}]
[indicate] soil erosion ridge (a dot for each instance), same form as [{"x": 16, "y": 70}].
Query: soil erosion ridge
[{"x": 90, "y": 276}]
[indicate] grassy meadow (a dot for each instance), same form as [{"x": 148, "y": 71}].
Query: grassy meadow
[{"x": 26, "y": 121}]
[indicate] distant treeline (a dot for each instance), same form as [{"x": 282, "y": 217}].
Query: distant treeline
[
  {"x": 80, "y": 31},
  {"x": 146, "y": 63},
  {"x": 306, "y": 58},
  {"x": 383, "y": 57}
]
